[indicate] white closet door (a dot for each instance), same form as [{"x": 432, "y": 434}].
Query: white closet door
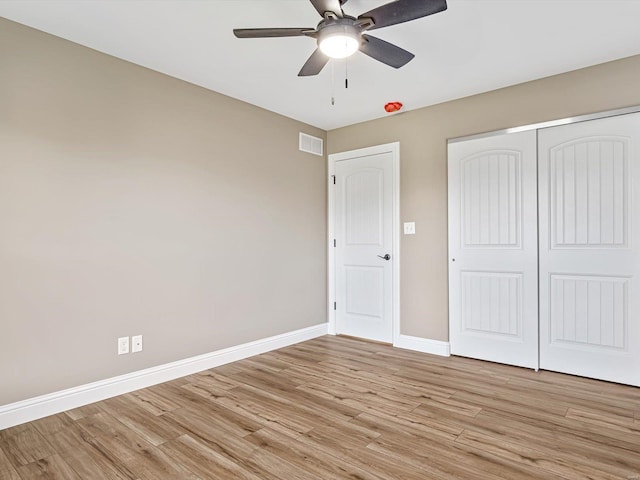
[
  {"x": 589, "y": 257},
  {"x": 493, "y": 266}
]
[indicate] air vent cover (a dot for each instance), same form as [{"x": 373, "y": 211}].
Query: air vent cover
[{"x": 310, "y": 144}]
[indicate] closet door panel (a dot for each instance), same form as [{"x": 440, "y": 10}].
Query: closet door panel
[
  {"x": 493, "y": 294},
  {"x": 589, "y": 215}
]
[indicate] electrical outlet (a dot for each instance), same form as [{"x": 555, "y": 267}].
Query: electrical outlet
[
  {"x": 123, "y": 345},
  {"x": 136, "y": 343}
]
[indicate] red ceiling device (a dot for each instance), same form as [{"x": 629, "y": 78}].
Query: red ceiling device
[{"x": 392, "y": 107}]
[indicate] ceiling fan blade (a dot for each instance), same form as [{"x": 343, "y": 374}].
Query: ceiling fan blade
[
  {"x": 314, "y": 64},
  {"x": 401, "y": 11},
  {"x": 385, "y": 52},
  {"x": 323, "y": 6},
  {"x": 272, "y": 32}
]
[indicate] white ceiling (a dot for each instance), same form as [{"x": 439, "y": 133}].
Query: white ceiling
[{"x": 473, "y": 47}]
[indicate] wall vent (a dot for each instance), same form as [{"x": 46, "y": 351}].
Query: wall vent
[{"x": 310, "y": 144}]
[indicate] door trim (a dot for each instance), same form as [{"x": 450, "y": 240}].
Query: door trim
[{"x": 394, "y": 149}]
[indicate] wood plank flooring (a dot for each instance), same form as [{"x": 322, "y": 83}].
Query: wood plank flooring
[{"x": 340, "y": 408}]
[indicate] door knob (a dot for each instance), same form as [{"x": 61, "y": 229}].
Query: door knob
[{"x": 386, "y": 257}]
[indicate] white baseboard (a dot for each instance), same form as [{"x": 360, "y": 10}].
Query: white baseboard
[
  {"x": 424, "y": 345},
  {"x": 52, "y": 403}
]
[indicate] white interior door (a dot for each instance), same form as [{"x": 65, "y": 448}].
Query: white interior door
[
  {"x": 364, "y": 253},
  {"x": 589, "y": 253},
  {"x": 493, "y": 266}
]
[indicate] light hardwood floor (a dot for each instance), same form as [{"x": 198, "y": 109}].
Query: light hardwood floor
[{"x": 340, "y": 408}]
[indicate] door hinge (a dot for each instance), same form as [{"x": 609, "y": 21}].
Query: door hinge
[
  {"x": 334, "y": 305},
  {"x": 334, "y": 243},
  {"x": 334, "y": 179}
]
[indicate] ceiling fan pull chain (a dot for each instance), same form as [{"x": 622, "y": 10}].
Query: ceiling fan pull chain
[
  {"x": 333, "y": 78},
  {"x": 346, "y": 73}
]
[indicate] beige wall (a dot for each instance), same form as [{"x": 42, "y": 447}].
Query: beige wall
[
  {"x": 135, "y": 203},
  {"x": 423, "y": 138}
]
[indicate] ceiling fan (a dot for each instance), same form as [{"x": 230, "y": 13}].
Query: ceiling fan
[{"x": 339, "y": 35}]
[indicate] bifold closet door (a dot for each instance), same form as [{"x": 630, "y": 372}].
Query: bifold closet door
[
  {"x": 493, "y": 265},
  {"x": 589, "y": 216}
]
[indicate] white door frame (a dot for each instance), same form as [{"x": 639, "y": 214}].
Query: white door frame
[{"x": 394, "y": 149}]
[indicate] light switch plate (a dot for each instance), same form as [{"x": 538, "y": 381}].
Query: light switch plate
[
  {"x": 409, "y": 228},
  {"x": 136, "y": 343},
  {"x": 123, "y": 345}
]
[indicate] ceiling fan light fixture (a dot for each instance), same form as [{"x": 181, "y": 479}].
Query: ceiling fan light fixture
[
  {"x": 339, "y": 35},
  {"x": 339, "y": 41}
]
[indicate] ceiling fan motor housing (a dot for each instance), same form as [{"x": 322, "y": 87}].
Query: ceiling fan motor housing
[{"x": 339, "y": 37}]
